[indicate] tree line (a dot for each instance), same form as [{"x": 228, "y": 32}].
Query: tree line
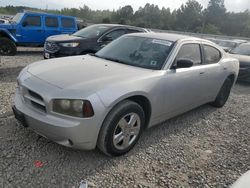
[{"x": 190, "y": 17}]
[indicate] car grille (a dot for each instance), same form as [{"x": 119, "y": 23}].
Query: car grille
[
  {"x": 51, "y": 47},
  {"x": 34, "y": 99}
]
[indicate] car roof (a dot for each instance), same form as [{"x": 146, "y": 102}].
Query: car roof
[
  {"x": 45, "y": 14},
  {"x": 166, "y": 36},
  {"x": 119, "y": 25}
]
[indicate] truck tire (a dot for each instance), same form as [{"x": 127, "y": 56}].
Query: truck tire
[{"x": 7, "y": 47}]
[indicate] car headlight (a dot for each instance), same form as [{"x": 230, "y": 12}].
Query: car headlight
[
  {"x": 70, "y": 44},
  {"x": 73, "y": 107}
]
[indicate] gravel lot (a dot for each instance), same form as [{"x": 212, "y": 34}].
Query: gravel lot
[{"x": 206, "y": 147}]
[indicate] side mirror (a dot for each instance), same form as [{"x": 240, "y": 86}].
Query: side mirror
[
  {"x": 25, "y": 23},
  {"x": 184, "y": 63}
]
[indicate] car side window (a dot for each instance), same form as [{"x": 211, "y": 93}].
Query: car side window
[
  {"x": 68, "y": 23},
  {"x": 32, "y": 21},
  {"x": 116, "y": 33},
  {"x": 133, "y": 31},
  {"x": 212, "y": 55},
  {"x": 51, "y": 22},
  {"x": 190, "y": 52}
]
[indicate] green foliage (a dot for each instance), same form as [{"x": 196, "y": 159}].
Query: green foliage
[
  {"x": 191, "y": 16},
  {"x": 210, "y": 29}
]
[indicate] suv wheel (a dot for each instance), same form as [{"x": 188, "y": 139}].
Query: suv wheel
[
  {"x": 121, "y": 128},
  {"x": 7, "y": 47}
]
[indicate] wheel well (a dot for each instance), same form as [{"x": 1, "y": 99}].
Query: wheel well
[
  {"x": 231, "y": 77},
  {"x": 145, "y": 104},
  {"x": 3, "y": 34}
]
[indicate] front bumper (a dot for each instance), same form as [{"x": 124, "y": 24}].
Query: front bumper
[
  {"x": 80, "y": 133},
  {"x": 60, "y": 51}
]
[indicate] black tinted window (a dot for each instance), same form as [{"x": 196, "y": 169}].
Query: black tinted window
[
  {"x": 133, "y": 31},
  {"x": 32, "y": 21},
  {"x": 190, "y": 52},
  {"x": 212, "y": 55},
  {"x": 51, "y": 22},
  {"x": 116, "y": 33},
  {"x": 68, "y": 23}
]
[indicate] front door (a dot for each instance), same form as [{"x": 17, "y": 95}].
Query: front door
[
  {"x": 32, "y": 30},
  {"x": 184, "y": 87}
]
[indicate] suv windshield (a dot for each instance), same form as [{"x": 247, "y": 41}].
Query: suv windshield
[
  {"x": 92, "y": 31},
  {"x": 137, "y": 51},
  {"x": 243, "y": 49},
  {"x": 17, "y": 18}
]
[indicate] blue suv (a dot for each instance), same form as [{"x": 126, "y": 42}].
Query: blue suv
[{"x": 31, "y": 29}]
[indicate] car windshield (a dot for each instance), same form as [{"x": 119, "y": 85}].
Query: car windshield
[
  {"x": 243, "y": 49},
  {"x": 227, "y": 44},
  {"x": 17, "y": 18},
  {"x": 92, "y": 31},
  {"x": 138, "y": 51}
]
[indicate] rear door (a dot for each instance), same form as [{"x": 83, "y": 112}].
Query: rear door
[
  {"x": 32, "y": 30},
  {"x": 51, "y": 26},
  {"x": 214, "y": 74}
]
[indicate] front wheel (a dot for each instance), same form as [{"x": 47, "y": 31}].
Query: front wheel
[
  {"x": 7, "y": 47},
  {"x": 223, "y": 94},
  {"x": 121, "y": 128}
]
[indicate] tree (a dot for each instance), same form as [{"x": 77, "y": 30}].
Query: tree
[
  {"x": 149, "y": 16},
  {"x": 189, "y": 16},
  {"x": 166, "y": 19},
  {"x": 215, "y": 13},
  {"x": 106, "y": 20},
  {"x": 123, "y": 15}
]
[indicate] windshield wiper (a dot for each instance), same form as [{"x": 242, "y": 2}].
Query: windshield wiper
[
  {"x": 79, "y": 36},
  {"x": 115, "y": 60}
]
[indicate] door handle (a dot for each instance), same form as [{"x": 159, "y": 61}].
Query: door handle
[{"x": 202, "y": 73}]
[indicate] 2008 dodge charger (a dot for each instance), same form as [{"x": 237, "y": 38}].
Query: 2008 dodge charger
[{"x": 109, "y": 98}]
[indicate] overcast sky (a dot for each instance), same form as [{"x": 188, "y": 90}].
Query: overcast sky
[{"x": 231, "y": 5}]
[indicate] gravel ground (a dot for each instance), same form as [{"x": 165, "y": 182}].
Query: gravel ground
[{"x": 206, "y": 147}]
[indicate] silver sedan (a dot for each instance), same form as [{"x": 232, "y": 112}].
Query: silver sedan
[{"x": 109, "y": 98}]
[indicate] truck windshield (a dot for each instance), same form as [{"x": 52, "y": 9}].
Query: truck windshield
[
  {"x": 142, "y": 52},
  {"x": 92, "y": 31},
  {"x": 17, "y": 18}
]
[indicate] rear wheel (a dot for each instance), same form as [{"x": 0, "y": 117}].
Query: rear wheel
[
  {"x": 121, "y": 128},
  {"x": 7, "y": 47},
  {"x": 223, "y": 94}
]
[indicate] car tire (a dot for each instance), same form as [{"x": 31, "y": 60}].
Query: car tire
[
  {"x": 223, "y": 94},
  {"x": 121, "y": 128},
  {"x": 7, "y": 47}
]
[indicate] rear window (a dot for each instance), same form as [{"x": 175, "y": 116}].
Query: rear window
[
  {"x": 68, "y": 23},
  {"x": 51, "y": 22},
  {"x": 212, "y": 55}
]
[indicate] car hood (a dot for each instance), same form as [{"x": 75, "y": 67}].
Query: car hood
[
  {"x": 64, "y": 38},
  {"x": 84, "y": 72},
  {"x": 7, "y": 26},
  {"x": 243, "y": 59}
]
